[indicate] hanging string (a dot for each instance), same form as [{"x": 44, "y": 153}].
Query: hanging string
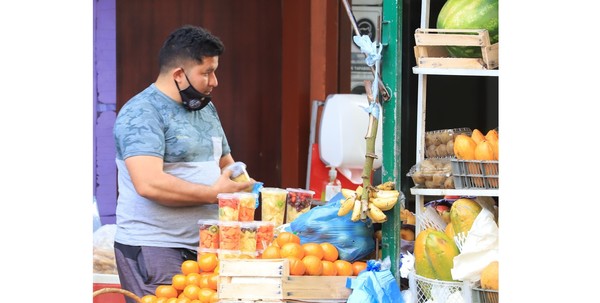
[{"x": 372, "y": 51}]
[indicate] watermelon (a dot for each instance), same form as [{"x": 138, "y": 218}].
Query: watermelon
[{"x": 469, "y": 14}]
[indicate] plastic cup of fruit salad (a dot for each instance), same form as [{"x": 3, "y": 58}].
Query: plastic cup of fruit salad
[
  {"x": 273, "y": 204},
  {"x": 229, "y": 204},
  {"x": 298, "y": 202},
  {"x": 247, "y": 206},
  {"x": 209, "y": 234}
]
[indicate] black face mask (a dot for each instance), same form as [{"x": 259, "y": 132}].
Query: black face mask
[{"x": 191, "y": 98}]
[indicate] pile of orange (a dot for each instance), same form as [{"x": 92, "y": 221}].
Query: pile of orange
[
  {"x": 197, "y": 283},
  {"x": 311, "y": 259}
]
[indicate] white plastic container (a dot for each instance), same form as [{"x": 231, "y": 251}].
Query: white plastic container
[{"x": 342, "y": 132}]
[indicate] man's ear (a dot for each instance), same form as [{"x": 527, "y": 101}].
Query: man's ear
[{"x": 178, "y": 75}]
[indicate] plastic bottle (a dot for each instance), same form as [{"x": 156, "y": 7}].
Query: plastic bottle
[{"x": 332, "y": 187}]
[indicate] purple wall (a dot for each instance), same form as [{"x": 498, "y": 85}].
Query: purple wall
[{"x": 105, "y": 92}]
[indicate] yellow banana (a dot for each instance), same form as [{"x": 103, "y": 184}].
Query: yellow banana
[
  {"x": 387, "y": 193},
  {"x": 348, "y": 192},
  {"x": 384, "y": 203},
  {"x": 356, "y": 211},
  {"x": 346, "y": 206},
  {"x": 359, "y": 191},
  {"x": 389, "y": 185},
  {"x": 376, "y": 214}
]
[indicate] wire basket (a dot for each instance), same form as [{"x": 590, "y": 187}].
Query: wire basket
[
  {"x": 429, "y": 218},
  {"x": 119, "y": 291},
  {"x": 481, "y": 295},
  {"x": 432, "y": 290}
]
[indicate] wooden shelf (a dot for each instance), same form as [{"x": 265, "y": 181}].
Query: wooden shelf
[{"x": 456, "y": 72}]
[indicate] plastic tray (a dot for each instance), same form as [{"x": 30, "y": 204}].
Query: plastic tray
[
  {"x": 432, "y": 173},
  {"x": 475, "y": 174},
  {"x": 440, "y": 143},
  {"x": 481, "y": 295}
]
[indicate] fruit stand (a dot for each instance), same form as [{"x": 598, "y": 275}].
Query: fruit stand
[{"x": 282, "y": 268}]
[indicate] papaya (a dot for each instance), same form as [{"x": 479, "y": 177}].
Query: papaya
[
  {"x": 434, "y": 255},
  {"x": 489, "y": 276},
  {"x": 422, "y": 266},
  {"x": 485, "y": 151},
  {"x": 492, "y": 135},
  {"x": 449, "y": 230},
  {"x": 462, "y": 214},
  {"x": 477, "y": 136},
  {"x": 464, "y": 147}
]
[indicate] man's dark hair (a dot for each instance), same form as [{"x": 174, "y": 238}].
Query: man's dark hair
[{"x": 188, "y": 43}]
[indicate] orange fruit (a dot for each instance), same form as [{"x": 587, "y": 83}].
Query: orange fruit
[
  {"x": 330, "y": 252},
  {"x": 179, "y": 281},
  {"x": 161, "y": 299},
  {"x": 206, "y": 294},
  {"x": 149, "y": 299},
  {"x": 171, "y": 300},
  {"x": 297, "y": 267},
  {"x": 214, "y": 298},
  {"x": 329, "y": 269},
  {"x": 207, "y": 262},
  {"x": 193, "y": 279},
  {"x": 313, "y": 264},
  {"x": 313, "y": 249},
  {"x": 192, "y": 291},
  {"x": 195, "y": 301},
  {"x": 190, "y": 266},
  {"x": 204, "y": 280},
  {"x": 292, "y": 249},
  {"x": 357, "y": 267},
  {"x": 286, "y": 237},
  {"x": 167, "y": 291},
  {"x": 271, "y": 252},
  {"x": 213, "y": 281},
  {"x": 344, "y": 268},
  {"x": 183, "y": 300}
]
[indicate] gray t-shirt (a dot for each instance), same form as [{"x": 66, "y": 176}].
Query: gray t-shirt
[{"x": 190, "y": 143}]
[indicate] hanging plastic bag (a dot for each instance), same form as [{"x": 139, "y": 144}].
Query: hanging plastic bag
[
  {"x": 479, "y": 248},
  {"x": 375, "y": 284},
  {"x": 354, "y": 240}
]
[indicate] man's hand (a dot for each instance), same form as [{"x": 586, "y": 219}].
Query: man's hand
[{"x": 225, "y": 185}]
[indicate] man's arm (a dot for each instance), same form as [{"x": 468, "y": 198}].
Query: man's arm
[{"x": 151, "y": 182}]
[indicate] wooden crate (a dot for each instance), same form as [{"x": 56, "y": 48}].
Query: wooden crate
[
  {"x": 270, "y": 280},
  {"x": 431, "y": 52}
]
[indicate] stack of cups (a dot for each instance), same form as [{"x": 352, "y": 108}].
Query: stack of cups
[{"x": 229, "y": 226}]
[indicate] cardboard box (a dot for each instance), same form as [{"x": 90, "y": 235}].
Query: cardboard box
[{"x": 270, "y": 279}]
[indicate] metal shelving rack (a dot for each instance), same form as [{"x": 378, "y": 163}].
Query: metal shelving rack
[{"x": 423, "y": 73}]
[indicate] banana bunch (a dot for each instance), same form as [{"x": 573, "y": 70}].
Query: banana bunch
[
  {"x": 381, "y": 200},
  {"x": 351, "y": 203},
  {"x": 383, "y": 197}
]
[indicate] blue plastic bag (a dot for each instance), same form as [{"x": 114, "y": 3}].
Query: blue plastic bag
[
  {"x": 374, "y": 285},
  {"x": 354, "y": 240}
]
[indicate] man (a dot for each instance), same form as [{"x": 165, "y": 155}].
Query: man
[{"x": 171, "y": 151}]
